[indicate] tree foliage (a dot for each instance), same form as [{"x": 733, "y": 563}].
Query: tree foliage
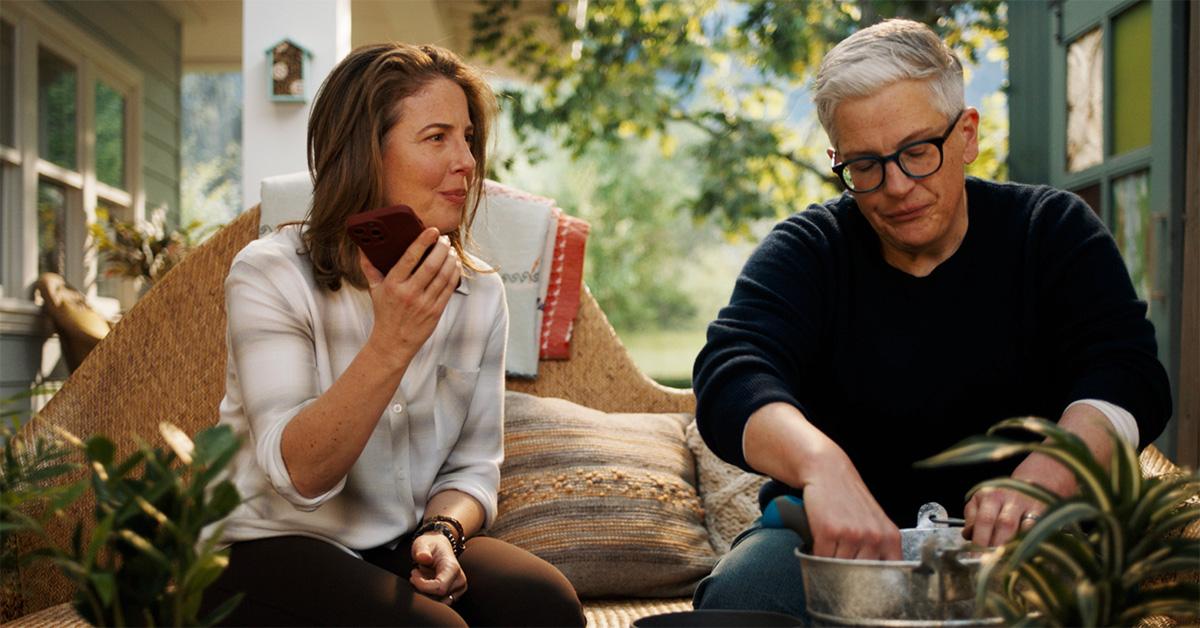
[
  {"x": 721, "y": 69},
  {"x": 633, "y": 246},
  {"x": 211, "y": 189}
]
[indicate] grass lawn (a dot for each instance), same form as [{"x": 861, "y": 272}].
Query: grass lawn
[{"x": 666, "y": 355}]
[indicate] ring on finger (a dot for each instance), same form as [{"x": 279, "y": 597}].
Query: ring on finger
[
  {"x": 449, "y": 598},
  {"x": 1029, "y": 518}
]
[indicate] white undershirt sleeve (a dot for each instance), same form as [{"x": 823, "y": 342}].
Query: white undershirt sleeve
[{"x": 1122, "y": 421}]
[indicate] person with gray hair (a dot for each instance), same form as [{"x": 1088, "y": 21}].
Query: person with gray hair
[{"x": 918, "y": 308}]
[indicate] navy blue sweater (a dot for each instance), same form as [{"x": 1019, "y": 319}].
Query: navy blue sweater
[{"x": 1033, "y": 311}]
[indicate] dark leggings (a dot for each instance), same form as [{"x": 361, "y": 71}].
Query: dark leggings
[{"x": 299, "y": 581}]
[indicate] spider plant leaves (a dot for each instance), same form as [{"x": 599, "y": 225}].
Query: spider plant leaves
[
  {"x": 1051, "y": 522},
  {"x": 1126, "y": 473},
  {"x": 1057, "y": 436},
  {"x": 1160, "y": 563},
  {"x": 1088, "y": 602},
  {"x": 1162, "y": 494},
  {"x": 999, "y": 605},
  {"x": 1066, "y": 448},
  {"x": 1068, "y": 562},
  {"x": 974, "y": 450},
  {"x": 1168, "y": 524},
  {"x": 1051, "y": 593},
  {"x": 1027, "y": 488},
  {"x": 1177, "y": 599},
  {"x": 1098, "y": 557}
]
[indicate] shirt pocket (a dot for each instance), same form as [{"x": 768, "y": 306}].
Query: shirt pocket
[{"x": 455, "y": 389}]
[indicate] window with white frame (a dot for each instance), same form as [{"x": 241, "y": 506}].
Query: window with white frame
[{"x": 69, "y": 124}]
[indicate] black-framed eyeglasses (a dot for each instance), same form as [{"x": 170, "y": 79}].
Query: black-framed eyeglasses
[{"x": 917, "y": 159}]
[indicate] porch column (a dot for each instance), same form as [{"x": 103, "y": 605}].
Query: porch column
[{"x": 273, "y": 132}]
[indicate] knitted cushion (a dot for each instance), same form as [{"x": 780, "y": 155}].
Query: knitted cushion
[
  {"x": 730, "y": 494},
  {"x": 609, "y": 499}
]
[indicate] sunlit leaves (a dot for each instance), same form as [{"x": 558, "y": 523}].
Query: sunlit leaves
[{"x": 644, "y": 68}]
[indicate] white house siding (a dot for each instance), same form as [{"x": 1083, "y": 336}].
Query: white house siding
[{"x": 144, "y": 35}]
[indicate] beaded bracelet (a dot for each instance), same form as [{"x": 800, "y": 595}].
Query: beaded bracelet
[
  {"x": 446, "y": 530},
  {"x": 462, "y": 536}
]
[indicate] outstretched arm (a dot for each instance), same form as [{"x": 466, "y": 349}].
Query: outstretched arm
[{"x": 845, "y": 519}]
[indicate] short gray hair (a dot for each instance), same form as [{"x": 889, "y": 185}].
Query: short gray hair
[{"x": 882, "y": 54}]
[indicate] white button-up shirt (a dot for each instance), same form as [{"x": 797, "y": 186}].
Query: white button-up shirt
[{"x": 289, "y": 339}]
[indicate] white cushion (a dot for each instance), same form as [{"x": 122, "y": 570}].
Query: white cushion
[{"x": 285, "y": 198}]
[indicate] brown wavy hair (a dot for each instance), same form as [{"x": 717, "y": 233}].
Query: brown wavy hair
[{"x": 357, "y": 105}]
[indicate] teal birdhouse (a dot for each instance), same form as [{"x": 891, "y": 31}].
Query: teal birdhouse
[{"x": 287, "y": 71}]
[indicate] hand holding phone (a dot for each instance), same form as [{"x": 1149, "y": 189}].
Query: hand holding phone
[{"x": 384, "y": 234}]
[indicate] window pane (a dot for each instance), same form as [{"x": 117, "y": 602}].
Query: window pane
[
  {"x": 1131, "y": 79},
  {"x": 1085, "y": 102},
  {"x": 8, "y": 81},
  {"x": 52, "y": 227},
  {"x": 107, "y": 286},
  {"x": 1132, "y": 228},
  {"x": 56, "y": 109},
  {"x": 110, "y": 136}
]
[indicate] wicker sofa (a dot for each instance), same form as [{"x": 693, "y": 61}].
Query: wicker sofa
[{"x": 165, "y": 362}]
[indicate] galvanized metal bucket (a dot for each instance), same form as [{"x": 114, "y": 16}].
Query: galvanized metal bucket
[{"x": 934, "y": 585}]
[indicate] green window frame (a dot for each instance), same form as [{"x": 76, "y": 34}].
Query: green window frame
[{"x": 1040, "y": 34}]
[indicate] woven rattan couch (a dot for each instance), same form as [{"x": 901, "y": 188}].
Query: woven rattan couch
[{"x": 165, "y": 361}]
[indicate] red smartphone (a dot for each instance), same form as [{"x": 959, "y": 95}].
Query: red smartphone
[{"x": 384, "y": 234}]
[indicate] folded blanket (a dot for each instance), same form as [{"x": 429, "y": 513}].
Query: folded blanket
[
  {"x": 512, "y": 229},
  {"x": 566, "y": 280},
  {"x": 541, "y": 321}
]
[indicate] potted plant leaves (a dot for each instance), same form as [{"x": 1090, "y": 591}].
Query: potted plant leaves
[
  {"x": 1112, "y": 554},
  {"x": 142, "y": 561}
]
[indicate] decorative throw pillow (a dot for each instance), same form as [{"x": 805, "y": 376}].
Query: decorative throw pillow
[
  {"x": 608, "y": 499},
  {"x": 730, "y": 494}
]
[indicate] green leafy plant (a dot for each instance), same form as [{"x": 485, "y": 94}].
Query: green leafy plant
[
  {"x": 1110, "y": 555},
  {"x": 144, "y": 250},
  {"x": 143, "y": 561},
  {"x": 32, "y": 487}
]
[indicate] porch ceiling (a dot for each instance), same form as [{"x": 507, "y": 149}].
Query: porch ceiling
[{"x": 212, "y": 29}]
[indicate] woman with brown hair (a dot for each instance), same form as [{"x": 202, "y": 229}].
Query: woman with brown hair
[{"x": 371, "y": 404}]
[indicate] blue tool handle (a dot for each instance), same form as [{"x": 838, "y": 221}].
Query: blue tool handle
[{"x": 787, "y": 511}]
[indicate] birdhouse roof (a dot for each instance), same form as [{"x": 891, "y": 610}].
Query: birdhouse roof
[{"x": 288, "y": 42}]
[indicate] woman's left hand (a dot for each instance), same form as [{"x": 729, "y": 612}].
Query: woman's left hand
[{"x": 436, "y": 572}]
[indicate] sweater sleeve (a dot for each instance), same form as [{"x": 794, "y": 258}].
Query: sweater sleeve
[
  {"x": 1100, "y": 343},
  {"x": 764, "y": 341}
]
